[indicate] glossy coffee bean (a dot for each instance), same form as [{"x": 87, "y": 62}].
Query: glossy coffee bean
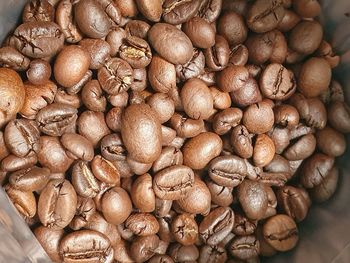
[
  {"x": 264, "y": 150},
  {"x": 98, "y": 49},
  {"x": 232, "y": 78},
  {"x": 241, "y": 141},
  {"x": 196, "y": 28},
  {"x": 216, "y": 225},
  {"x": 24, "y": 201},
  {"x": 220, "y": 195},
  {"x": 193, "y": 68},
  {"x": 84, "y": 181},
  {"x": 184, "y": 229},
  {"x": 186, "y": 127},
  {"x": 163, "y": 105},
  {"x": 39, "y": 72},
  {"x": 161, "y": 74},
  {"x": 105, "y": 171},
  {"x": 331, "y": 142},
  {"x": 175, "y": 12},
  {"x": 281, "y": 232},
  {"x": 49, "y": 239},
  {"x": 57, "y": 204},
  {"x": 243, "y": 226},
  {"x": 225, "y": 120},
  {"x": 150, "y": 9},
  {"x": 258, "y": 118},
  {"x": 86, "y": 208},
  {"x": 217, "y": 56},
  {"x": 142, "y": 224},
  {"x": 338, "y": 115},
  {"x": 212, "y": 254},
  {"x": 142, "y": 194},
  {"x": 301, "y": 148},
  {"x": 245, "y": 247},
  {"x": 31, "y": 179},
  {"x": 13, "y": 163},
  {"x": 77, "y": 146},
  {"x": 86, "y": 245}
]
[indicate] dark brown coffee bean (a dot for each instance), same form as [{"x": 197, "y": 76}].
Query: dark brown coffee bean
[
  {"x": 232, "y": 78},
  {"x": 226, "y": 119},
  {"x": 253, "y": 199},
  {"x": 241, "y": 141},
  {"x": 91, "y": 19},
  {"x": 85, "y": 210},
  {"x": 38, "y": 39},
  {"x": 161, "y": 75},
  {"x": 173, "y": 182},
  {"x": 84, "y": 181},
  {"x": 260, "y": 47},
  {"x": 245, "y": 247},
  {"x": 152, "y": 10},
  {"x": 170, "y": 156},
  {"x": 141, "y": 133},
  {"x": 136, "y": 52},
  {"x": 49, "y": 239},
  {"x": 289, "y": 21},
  {"x": 277, "y": 82},
  {"x": 238, "y": 55},
  {"x": 216, "y": 225},
  {"x": 210, "y": 10},
  {"x": 24, "y": 201},
  {"x": 186, "y": 127},
  {"x": 57, "y": 204},
  {"x": 65, "y": 19},
  {"x": 182, "y": 51},
  {"x": 243, "y": 226},
  {"x": 142, "y": 194},
  {"x": 160, "y": 259},
  {"x": 192, "y": 68},
  {"x": 315, "y": 169},
  {"x": 180, "y": 253},
  {"x": 92, "y": 96},
  {"x": 281, "y": 232},
  {"x": 338, "y": 115},
  {"x": 142, "y": 224},
  {"x": 13, "y": 163},
  {"x": 137, "y": 28},
  {"x": 327, "y": 188},
  {"x": 231, "y": 26},
  {"x": 314, "y": 77},
  {"x": 31, "y": 179},
  {"x": 212, "y": 254},
  {"x": 197, "y": 200},
  {"x": 116, "y": 205},
  {"x": 200, "y": 150},
  {"x": 38, "y": 11},
  {"x": 142, "y": 248},
  {"x": 300, "y": 39},
  {"x": 301, "y": 148},
  {"x": 177, "y": 12},
  {"x": 77, "y": 146},
  {"x": 217, "y": 56},
  {"x": 115, "y": 76},
  {"x": 56, "y": 119},
  {"x": 264, "y": 150},
  {"x": 200, "y": 32},
  {"x": 307, "y": 9},
  {"x": 86, "y": 245},
  {"x": 12, "y": 58},
  {"x": 98, "y": 49},
  {"x": 331, "y": 142},
  {"x": 13, "y": 95},
  {"x": 185, "y": 229},
  {"x": 220, "y": 195},
  {"x": 72, "y": 100},
  {"x": 276, "y": 173},
  {"x": 227, "y": 171},
  {"x": 264, "y": 15},
  {"x": 293, "y": 202},
  {"x": 22, "y": 137}
]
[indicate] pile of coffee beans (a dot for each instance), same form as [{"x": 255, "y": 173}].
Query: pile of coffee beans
[{"x": 169, "y": 131}]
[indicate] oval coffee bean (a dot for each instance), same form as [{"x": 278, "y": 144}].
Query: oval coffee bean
[
  {"x": 57, "y": 204},
  {"x": 136, "y": 52},
  {"x": 77, "y": 146},
  {"x": 178, "y": 12},
  {"x": 50, "y": 240},
  {"x": 173, "y": 182},
  {"x": 24, "y": 201},
  {"x": 31, "y": 179},
  {"x": 217, "y": 225},
  {"x": 245, "y": 247},
  {"x": 84, "y": 181},
  {"x": 86, "y": 245},
  {"x": 143, "y": 248},
  {"x": 185, "y": 229},
  {"x": 331, "y": 142},
  {"x": 142, "y": 224},
  {"x": 142, "y": 194}
]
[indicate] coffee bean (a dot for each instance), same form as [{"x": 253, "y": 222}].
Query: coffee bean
[
  {"x": 161, "y": 75},
  {"x": 86, "y": 245},
  {"x": 163, "y": 105},
  {"x": 105, "y": 171},
  {"x": 225, "y": 120},
  {"x": 212, "y": 254},
  {"x": 84, "y": 181},
  {"x": 77, "y": 146},
  {"x": 338, "y": 115},
  {"x": 38, "y": 39},
  {"x": 142, "y": 248},
  {"x": 210, "y": 10},
  {"x": 31, "y": 179},
  {"x": 200, "y": 32},
  {"x": 327, "y": 188},
  {"x": 180, "y": 253},
  {"x": 142, "y": 194},
  {"x": 160, "y": 259},
  {"x": 13, "y": 163},
  {"x": 289, "y": 21},
  {"x": 24, "y": 201},
  {"x": 192, "y": 68},
  {"x": 264, "y": 150},
  {"x": 184, "y": 229},
  {"x": 137, "y": 28},
  {"x": 173, "y": 182},
  {"x": 98, "y": 49},
  {"x": 38, "y": 11},
  {"x": 178, "y": 12},
  {"x": 281, "y": 232},
  {"x": 152, "y": 10},
  {"x": 85, "y": 210},
  {"x": 49, "y": 239},
  {"x": 136, "y": 52},
  {"x": 142, "y": 224},
  {"x": 231, "y": 26},
  {"x": 220, "y": 195},
  {"x": 57, "y": 204},
  {"x": 186, "y": 127},
  {"x": 331, "y": 142},
  {"x": 161, "y": 34},
  {"x": 216, "y": 225},
  {"x": 245, "y": 247},
  {"x": 12, "y": 58},
  {"x": 217, "y": 56},
  {"x": 258, "y": 118}
]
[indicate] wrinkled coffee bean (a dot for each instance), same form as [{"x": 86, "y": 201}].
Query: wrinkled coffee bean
[
  {"x": 142, "y": 224},
  {"x": 77, "y": 146},
  {"x": 84, "y": 181},
  {"x": 24, "y": 201},
  {"x": 245, "y": 247},
  {"x": 177, "y": 12},
  {"x": 136, "y": 52},
  {"x": 85, "y": 210},
  {"x": 12, "y": 58}
]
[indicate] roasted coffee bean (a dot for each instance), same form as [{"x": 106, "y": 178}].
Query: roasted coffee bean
[
  {"x": 243, "y": 226},
  {"x": 105, "y": 171},
  {"x": 142, "y": 224},
  {"x": 85, "y": 210},
  {"x": 286, "y": 116},
  {"x": 65, "y": 19},
  {"x": 245, "y": 247},
  {"x": 12, "y": 58},
  {"x": 231, "y": 26},
  {"x": 277, "y": 172},
  {"x": 49, "y": 239},
  {"x": 152, "y": 10},
  {"x": 264, "y": 150},
  {"x": 186, "y": 127},
  {"x": 160, "y": 259},
  {"x": 136, "y": 52},
  {"x": 193, "y": 68},
  {"x": 136, "y": 167},
  {"x": 141, "y": 133},
  {"x": 253, "y": 199},
  {"x": 260, "y": 47},
  {"x": 13, "y": 95},
  {"x": 232, "y": 78},
  {"x": 197, "y": 200},
  {"x": 142, "y": 194},
  {"x": 277, "y": 82},
  {"x": 212, "y": 254},
  {"x": 116, "y": 205},
  {"x": 184, "y": 229},
  {"x": 22, "y": 137},
  {"x": 173, "y": 182},
  {"x": 39, "y": 72},
  {"x": 115, "y": 76},
  {"x": 210, "y": 10},
  {"x": 140, "y": 81},
  {"x": 281, "y": 232},
  {"x": 248, "y": 94},
  {"x": 163, "y": 105},
  {"x": 177, "y": 12},
  {"x": 216, "y": 225},
  {"x": 170, "y": 156},
  {"x": 119, "y": 100},
  {"x": 241, "y": 141},
  {"x": 209, "y": 77},
  {"x": 142, "y": 248},
  {"x": 84, "y": 181},
  {"x": 301, "y": 148},
  {"x": 200, "y": 32},
  {"x": 161, "y": 75},
  {"x": 307, "y": 9},
  {"x": 77, "y": 146},
  {"x": 331, "y": 142},
  {"x": 13, "y": 163},
  {"x": 86, "y": 245},
  {"x": 289, "y": 21},
  {"x": 137, "y": 28},
  {"x": 112, "y": 147},
  {"x": 160, "y": 34},
  {"x": 327, "y": 188},
  {"x": 31, "y": 179},
  {"x": 121, "y": 251},
  {"x": 63, "y": 97},
  {"x": 315, "y": 169},
  {"x": 227, "y": 171},
  {"x": 221, "y": 100},
  {"x": 163, "y": 207},
  {"x": 38, "y": 11},
  {"x": 113, "y": 121},
  {"x": 38, "y": 39},
  {"x": 258, "y": 118},
  {"x": 24, "y": 201},
  {"x": 56, "y": 119},
  {"x": 57, "y": 204},
  {"x": 98, "y": 49},
  {"x": 217, "y": 56},
  {"x": 280, "y": 137},
  {"x": 280, "y": 50},
  {"x": 226, "y": 119},
  {"x": 338, "y": 116},
  {"x": 180, "y": 253},
  {"x": 264, "y": 15},
  {"x": 220, "y": 195}
]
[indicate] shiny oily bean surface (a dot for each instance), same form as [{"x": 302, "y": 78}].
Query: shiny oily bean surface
[
  {"x": 245, "y": 247},
  {"x": 31, "y": 179},
  {"x": 142, "y": 224},
  {"x": 77, "y": 146},
  {"x": 86, "y": 245},
  {"x": 24, "y": 201},
  {"x": 185, "y": 229},
  {"x": 50, "y": 240},
  {"x": 84, "y": 181},
  {"x": 105, "y": 171},
  {"x": 142, "y": 194}
]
